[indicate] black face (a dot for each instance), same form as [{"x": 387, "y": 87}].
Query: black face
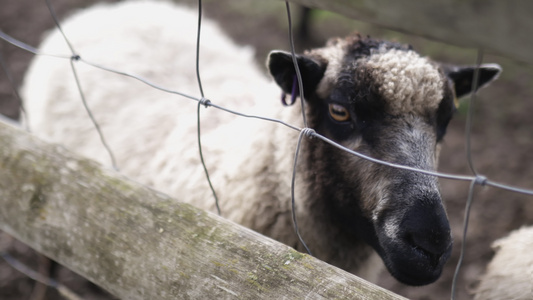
[
  {"x": 445, "y": 111},
  {"x": 397, "y": 212},
  {"x": 404, "y": 219}
]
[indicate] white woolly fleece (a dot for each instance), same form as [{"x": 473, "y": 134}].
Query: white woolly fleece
[
  {"x": 153, "y": 134},
  {"x": 510, "y": 273}
]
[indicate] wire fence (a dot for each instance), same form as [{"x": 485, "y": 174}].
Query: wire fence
[{"x": 476, "y": 179}]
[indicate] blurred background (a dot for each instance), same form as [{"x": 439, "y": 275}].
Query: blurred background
[{"x": 502, "y": 133}]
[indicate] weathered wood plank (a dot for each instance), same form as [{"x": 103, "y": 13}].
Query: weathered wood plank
[
  {"x": 141, "y": 244},
  {"x": 499, "y": 27}
]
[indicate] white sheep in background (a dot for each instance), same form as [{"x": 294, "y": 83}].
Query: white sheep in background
[
  {"x": 376, "y": 97},
  {"x": 509, "y": 275}
]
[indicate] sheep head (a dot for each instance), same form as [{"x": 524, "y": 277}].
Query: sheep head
[{"x": 384, "y": 100}]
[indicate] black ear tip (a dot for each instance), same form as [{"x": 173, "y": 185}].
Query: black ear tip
[
  {"x": 281, "y": 66},
  {"x": 277, "y": 60},
  {"x": 492, "y": 69},
  {"x": 278, "y": 55},
  {"x": 495, "y": 67},
  {"x": 273, "y": 55},
  {"x": 463, "y": 77},
  {"x": 489, "y": 72}
]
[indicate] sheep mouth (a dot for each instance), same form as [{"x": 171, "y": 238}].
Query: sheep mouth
[
  {"x": 434, "y": 260},
  {"x": 413, "y": 265}
]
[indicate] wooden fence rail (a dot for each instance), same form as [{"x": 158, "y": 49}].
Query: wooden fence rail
[
  {"x": 499, "y": 27},
  {"x": 138, "y": 243}
]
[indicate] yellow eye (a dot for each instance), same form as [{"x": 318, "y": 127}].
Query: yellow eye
[{"x": 339, "y": 113}]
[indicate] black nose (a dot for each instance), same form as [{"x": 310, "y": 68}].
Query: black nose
[{"x": 426, "y": 228}]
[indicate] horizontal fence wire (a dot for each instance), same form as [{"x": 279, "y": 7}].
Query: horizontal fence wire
[
  {"x": 475, "y": 179},
  {"x": 210, "y": 103}
]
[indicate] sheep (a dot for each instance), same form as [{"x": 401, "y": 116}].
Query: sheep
[
  {"x": 509, "y": 275},
  {"x": 379, "y": 98}
]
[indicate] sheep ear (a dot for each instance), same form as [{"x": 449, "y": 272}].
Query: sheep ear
[
  {"x": 463, "y": 77},
  {"x": 281, "y": 67}
]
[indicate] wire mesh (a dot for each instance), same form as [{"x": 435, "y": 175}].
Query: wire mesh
[{"x": 475, "y": 179}]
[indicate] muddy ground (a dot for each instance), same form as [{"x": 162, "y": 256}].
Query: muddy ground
[{"x": 502, "y": 143}]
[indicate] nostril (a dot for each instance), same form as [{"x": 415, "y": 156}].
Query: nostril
[
  {"x": 431, "y": 257},
  {"x": 434, "y": 246}
]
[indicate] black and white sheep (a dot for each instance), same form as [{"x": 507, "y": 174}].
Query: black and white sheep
[
  {"x": 509, "y": 275},
  {"x": 379, "y": 98}
]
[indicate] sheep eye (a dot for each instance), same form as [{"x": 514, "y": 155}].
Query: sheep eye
[{"x": 339, "y": 113}]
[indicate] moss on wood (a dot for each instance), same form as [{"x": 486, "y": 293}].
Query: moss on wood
[{"x": 141, "y": 244}]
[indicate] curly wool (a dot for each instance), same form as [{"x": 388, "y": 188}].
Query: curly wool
[
  {"x": 510, "y": 273},
  {"x": 409, "y": 82}
]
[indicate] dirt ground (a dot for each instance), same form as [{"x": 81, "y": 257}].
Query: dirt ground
[{"x": 502, "y": 143}]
